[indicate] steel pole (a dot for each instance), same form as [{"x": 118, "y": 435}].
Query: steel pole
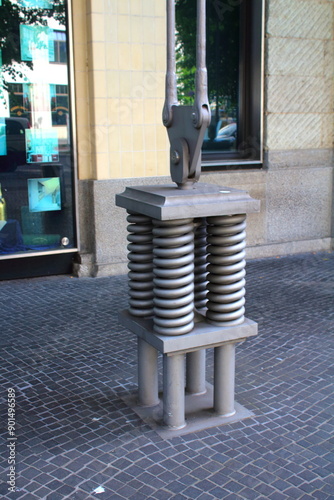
[
  {"x": 147, "y": 374},
  {"x": 173, "y": 391},
  {"x": 224, "y": 374},
  {"x": 195, "y": 372}
]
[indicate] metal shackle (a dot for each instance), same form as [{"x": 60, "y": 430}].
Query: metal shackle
[{"x": 186, "y": 125}]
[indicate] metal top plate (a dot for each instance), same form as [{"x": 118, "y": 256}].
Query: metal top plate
[{"x": 166, "y": 202}]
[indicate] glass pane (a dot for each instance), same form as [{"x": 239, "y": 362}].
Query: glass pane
[
  {"x": 36, "y": 168},
  {"x": 222, "y": 60}
]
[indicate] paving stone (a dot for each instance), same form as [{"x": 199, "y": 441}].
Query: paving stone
[
  {"x": 167, "y": 476},
  {"x": 233, "y": 486},
  {"x": 138, "y": 496},
  {"x": 250, "y": 494},
  {"x": 42, "y": 492},
  {"x": 278, "y": 496},
  {"x": 161, "y": 494},
  {"x": 147, "y": 490},
  {"x": 265, "y": 489},
  {"x": 71, "y": 363},
  {"x": 205, "y": 496},
  {"x": 232, "y": 496}
]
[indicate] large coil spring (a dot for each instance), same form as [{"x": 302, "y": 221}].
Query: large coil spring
[
  {"x": 173, "y": 276},
  {"x": 200, "y": 263},
  {"x": 226, "y": 253},
  {"x": 140, "y": 264}
]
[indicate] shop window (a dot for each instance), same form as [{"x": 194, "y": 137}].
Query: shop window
[
  {"x": 36, "y": 161},
  {"x": 234, "y": 64}
]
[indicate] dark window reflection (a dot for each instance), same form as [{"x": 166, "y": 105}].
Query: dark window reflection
[{"x": 222, "y": 59}]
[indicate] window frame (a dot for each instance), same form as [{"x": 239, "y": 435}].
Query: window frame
[{"x": 249, "y": 152}]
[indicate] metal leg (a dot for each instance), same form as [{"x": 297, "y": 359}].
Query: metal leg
[
  {"x": 147, "y": 374},
  {"x": 173, "y": 393},
  {"x": 195, "y": 372},
  {"x": 224, "y": 373}
]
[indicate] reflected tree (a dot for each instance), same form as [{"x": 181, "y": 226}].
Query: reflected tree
[
  {"x": 222, "y": 54},
  {"x": 14, "y": 13}
]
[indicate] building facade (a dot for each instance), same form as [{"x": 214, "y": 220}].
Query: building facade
[{"x": 276, "y": 90}]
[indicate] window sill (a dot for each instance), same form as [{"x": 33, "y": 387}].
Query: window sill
[{"x": 231, "y": 165}]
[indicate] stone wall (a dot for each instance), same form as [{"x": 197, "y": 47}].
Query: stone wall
[
  {"x": 295, "y": 215},
  {"x": 295, "y": 185}
]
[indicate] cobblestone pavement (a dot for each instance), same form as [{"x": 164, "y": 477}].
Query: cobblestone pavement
[{"x": 70, "y": 363}]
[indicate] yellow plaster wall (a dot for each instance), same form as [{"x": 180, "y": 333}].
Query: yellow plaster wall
[
  {"x": 80, "y": 55},
  {"x": 119, "y": 59}
]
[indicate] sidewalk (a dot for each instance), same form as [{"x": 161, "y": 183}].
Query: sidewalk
[{"x": 70, "y": 363}]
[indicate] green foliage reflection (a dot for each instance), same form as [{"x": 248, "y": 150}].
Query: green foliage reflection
[{"x": 222, "y": 55}]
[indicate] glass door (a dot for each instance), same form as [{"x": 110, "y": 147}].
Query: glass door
[{"x": 37, "y": 209}]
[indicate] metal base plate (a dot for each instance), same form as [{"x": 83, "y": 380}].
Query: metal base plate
[
  {"x": 199, "y": 414},
  {"x": 203, "y": 336}
]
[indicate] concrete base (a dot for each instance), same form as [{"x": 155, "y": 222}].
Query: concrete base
[{"x": 199, "y": 414}]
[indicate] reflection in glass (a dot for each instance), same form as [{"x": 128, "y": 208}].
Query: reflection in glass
[
  {"x": 36, "y": 168},
  {"x": 42, "y": 145},
  {"x": 222, "y": 60},
  {"x": 44, "y": 194},
  {"x": 3, "y": 144}
]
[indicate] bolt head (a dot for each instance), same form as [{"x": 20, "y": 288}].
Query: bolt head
[{"x": 175, "y": 157}]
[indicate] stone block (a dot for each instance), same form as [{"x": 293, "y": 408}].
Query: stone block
[
  {"x": 298, "y": 57},
  {"x": 301, "y": 158},
  {"x": 297, "y": 131},
  {"x": 328, "y": 58},
  {"x": 110, "y": 224},
  {"x": 327, "y": 129},
  {"x": 299, "y": 204},
  {"x": 300, "y": 19},
  {"x": 297, "y": 94},
  {"x": 289, "y": 248},
  {"x": 85, "y": 213}
]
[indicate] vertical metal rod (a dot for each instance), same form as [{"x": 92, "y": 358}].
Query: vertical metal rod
[
  {"x": 171, "y": 88},
  {"x": 195, "y": 372},
  {"x": 201, "y": 35},
  {"x": 201, "y": 77},
  {"x": 147, "y": 374},
  {"x": 173, "y": 391},
  {"x": 224, "y": 374}
]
